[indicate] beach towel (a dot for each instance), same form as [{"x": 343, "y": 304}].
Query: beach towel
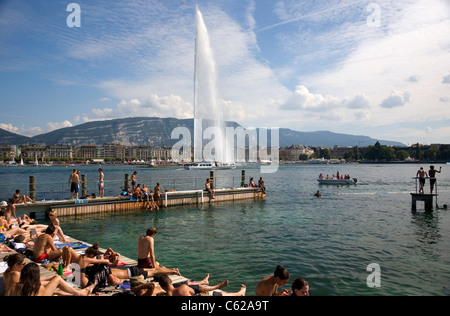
[{"x": 73, "y": 245}]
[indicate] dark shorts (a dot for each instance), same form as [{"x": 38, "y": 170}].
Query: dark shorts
[
  {"x": 137, "y": 271},
  {"x": 422, "y": 180},
  {"x": 145, "y": 263},
  {"x": 196, "y": 288},
  {"x": 74, "y": 187}
]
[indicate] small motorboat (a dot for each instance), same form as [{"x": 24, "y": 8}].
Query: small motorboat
[{"x": 338, "y": 181}]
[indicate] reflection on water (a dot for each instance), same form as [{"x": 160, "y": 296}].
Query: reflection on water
[{"x": 426, "y": 231}]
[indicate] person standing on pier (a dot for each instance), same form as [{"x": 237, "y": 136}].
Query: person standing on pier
[
  {"x": 133, "y": 180},
  {"x": 421, "y": 174},
  {"x": 432, "y": 174},
  {"x": 73, "y": 183},
  {"x": 101, "y": 183}
]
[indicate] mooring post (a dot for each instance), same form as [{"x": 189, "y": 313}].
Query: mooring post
[
  {"x": 84, "y": 192},
  {"x": 243, "y": 179},
  {"x": 211, "y": 176},
  {"x": 32, "y": 190},
  {"x": 126, "y": 183}
]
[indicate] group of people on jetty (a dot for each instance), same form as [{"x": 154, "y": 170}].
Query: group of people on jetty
[{"x": 97, "y": 270}]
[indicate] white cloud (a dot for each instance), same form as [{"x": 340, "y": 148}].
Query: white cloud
[
  {"x": 302, "y": 99},
  {"x": 54, "y": 126},
  {"x": 446, "y": 79},
  {"x": 396, "y": 99},
  {"x": 34, "y": 130},
  {"x": 167, "y": 106}
]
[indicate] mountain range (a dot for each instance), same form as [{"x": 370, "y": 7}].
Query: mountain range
[{"x": 157, "y": 132}]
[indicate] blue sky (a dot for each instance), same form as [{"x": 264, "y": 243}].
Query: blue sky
[{"x": 375, "y": 68}]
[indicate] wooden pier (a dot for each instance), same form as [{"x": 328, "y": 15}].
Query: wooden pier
[
  {"x": 120, "y": 204},
  {"x": 108, "y": 291}
]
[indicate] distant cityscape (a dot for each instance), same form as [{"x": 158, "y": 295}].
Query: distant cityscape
[{"x": 116, "y": 153}]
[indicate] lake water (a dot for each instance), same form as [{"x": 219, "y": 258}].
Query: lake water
[{"x": 330, "y": 240}]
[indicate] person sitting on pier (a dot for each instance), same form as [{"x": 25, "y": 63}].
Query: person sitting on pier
[
  {"x": 421, "y": 174},
  {"x": 8, "y": 229},
  {"x": 252, "y": 184},
  {"x": 18, "y": 199},
  {"x": 157, "y": 191},
  {"x": 261, "y": 185},
  {"x": 208, "y": 188},
  {"x": 44, "y": 248},
  {"x": 55, "y": 222},
  {"x": 150, "y": 204},
  {"x": 95, "y": 270},
  {"x": 136, "y": 193},
  {"x": 11, "y": 209},
  {"x": 146, "y": 249}
]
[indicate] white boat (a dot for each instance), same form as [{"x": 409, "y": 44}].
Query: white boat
[
  {"x": 200, "y": 166},
  {"x": 205, "y": 165},
  {"x": 338, "y": 181}
]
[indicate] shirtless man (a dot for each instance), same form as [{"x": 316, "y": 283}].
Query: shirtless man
[
  {"x": 269, "y": 285},
  {"x": 43, "y": 244},
  {"x": 208, "y": 188},
  {"x": 133, "y": 180},
  {"x": 73, "y": 183},
  {"x": 432, "y": 174},
  {"x": 101, "y": 183},
  {"x": 421, "y": 174},
  {"x": 157, "y": 193},
  {"x": 184, "y": 289},
  {"x": 146, "y": 250}
]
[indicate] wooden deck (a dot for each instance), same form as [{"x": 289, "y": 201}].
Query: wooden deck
[
  {"x": 120, "y": 204},
  {"x": 108, "y": 291}
]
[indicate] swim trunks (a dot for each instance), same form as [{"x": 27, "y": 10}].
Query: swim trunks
[
  {"x": 41, "y": 258},
  {"x": 101, "y": 185},
  {"x": 196, "y": 288},
  {"x": 74, "y": 187},
  {"x": 145, "y": 263},
  {"x": 137, "y": 271}
]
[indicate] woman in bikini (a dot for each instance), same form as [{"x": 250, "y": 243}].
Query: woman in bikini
[{"x": 31, "y": 284}]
